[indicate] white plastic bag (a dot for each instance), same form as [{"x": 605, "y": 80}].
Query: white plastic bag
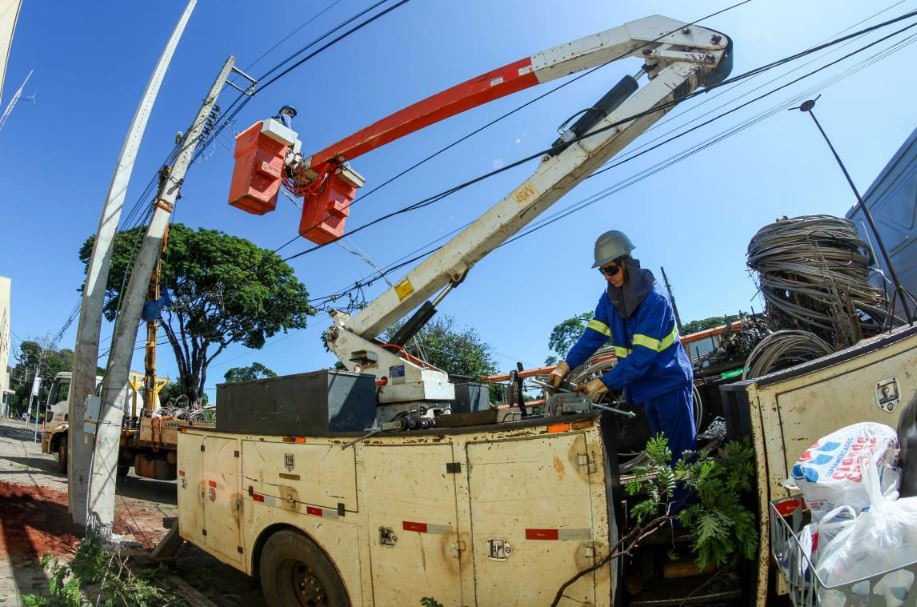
[
  {"x": 882, "y": 538},
  {"x": 829, "y": 473},
  {"x": 815, "y": 536}
]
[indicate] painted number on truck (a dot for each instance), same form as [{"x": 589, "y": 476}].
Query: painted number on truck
[{"x": 524, "y": 193}]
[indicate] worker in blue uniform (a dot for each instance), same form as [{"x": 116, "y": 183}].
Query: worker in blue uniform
[
  {"x": 285, "y": 115},
  {"x": 653, "y": 367}
]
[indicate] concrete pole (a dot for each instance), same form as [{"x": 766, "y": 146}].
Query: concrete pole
[
  {"x": 86, "y": 351},
  {"x": 114, "y": 387}
]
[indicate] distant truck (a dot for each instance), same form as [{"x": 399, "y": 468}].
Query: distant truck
[{"x": 148, "y": 443}]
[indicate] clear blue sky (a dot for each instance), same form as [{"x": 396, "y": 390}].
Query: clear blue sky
[{"x": 92, "y": 62}]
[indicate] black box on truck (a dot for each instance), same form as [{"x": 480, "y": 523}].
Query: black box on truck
[{"x": 295, "y": 405}]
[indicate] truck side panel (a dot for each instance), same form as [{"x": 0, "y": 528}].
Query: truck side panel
[
  {"x": 223, "y": 501},
  {"x": 319, "y": 474},
  {"x": 412, "y": 525},
  {"x": 533, "y": 523}
]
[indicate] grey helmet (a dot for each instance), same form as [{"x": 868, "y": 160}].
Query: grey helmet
[{"x": 611, "y": 245}]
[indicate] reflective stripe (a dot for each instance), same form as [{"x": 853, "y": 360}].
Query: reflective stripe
[
  {"x": 601, "y": 327},
  {"x": 657, "y": 345},
  {"x": 622, "y": 352}
]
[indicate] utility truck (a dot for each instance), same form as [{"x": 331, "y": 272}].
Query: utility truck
[
  {"x": 148, "y": 442},
  {"x": 342, "y": 488}
]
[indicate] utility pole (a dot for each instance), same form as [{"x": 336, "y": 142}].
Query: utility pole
[
  {"x": 900, "y": 291},
  {"x": 107, "y": 430},
  {"x": 36, "y": 386},
  {"x": 86, "y": 350},
  {"x": 668, "y": 287}
]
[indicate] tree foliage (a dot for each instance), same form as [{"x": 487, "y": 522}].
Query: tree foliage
[
  {"x": 456, "y": 351},
  {"x": 254, "y": 371},
  {"x": 564, "y": 335},
  {"x": 31, "y": 355},
  {"x": 224, "y": 290},
  {"x": 708, "y": 323},
  {"x": 722, "y": 528}
]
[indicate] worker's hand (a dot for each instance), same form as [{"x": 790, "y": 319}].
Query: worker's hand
[
  {"x": 594, "y": 389},
  {"x": 558, "y": 374}
]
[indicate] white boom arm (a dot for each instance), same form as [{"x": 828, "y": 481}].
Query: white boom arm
[{"x": 676, "y": 63}]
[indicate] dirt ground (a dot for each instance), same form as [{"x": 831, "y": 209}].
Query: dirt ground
[{"x": 34, "y": 521}]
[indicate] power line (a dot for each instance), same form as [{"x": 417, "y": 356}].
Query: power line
[
  {"x": 759, "y": 70},
  {"x": 535, "y": 99},
  {"x": 672, "y": 160}
]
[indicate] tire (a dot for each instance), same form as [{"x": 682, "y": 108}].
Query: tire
[
  {"x": 62, "y": 455},
  {"x": 122, "y": 472},
  {"x": 296, "y": 573}
]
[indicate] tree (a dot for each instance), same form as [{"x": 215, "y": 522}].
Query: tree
[
  {"x": 564, "y": 335},
  {"x": 456, "y": 351},
  {"x": 31, "y": 355},
  {"x": 254, "y": 371},
  {"x": 224, "y": 290},
  {"x": 708, "y": 323}
]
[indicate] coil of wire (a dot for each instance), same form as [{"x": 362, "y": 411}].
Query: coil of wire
[
  {"x": 783, "y": 349},
  {"x": 814, "y": 275}
]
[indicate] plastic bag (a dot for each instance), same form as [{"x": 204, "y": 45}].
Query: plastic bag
[
  {"x": 829, "y": 472},
  {"x": 814, "y": 537},
  {"x": 882, "y": 538}
]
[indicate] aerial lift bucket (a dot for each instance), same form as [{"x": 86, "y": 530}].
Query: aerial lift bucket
[
  {"x": 325, "y": 214},
  {"x": 257, "y": 175}
]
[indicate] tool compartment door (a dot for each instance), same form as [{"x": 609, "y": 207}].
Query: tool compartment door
[
  {"x": 191, "y": 492},
  {"x": 532, "y": 519},
  {"x": 314, "y": 474},
  {"x": 222, "y": 500},
  {"x": 413, "y": 527}
]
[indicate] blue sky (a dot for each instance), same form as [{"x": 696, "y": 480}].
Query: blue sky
[{"x": 695, "y": 218}]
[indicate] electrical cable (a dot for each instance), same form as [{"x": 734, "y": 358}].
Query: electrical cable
[
  {"x": 813, "y": 272},
  {"x": 661, "y": 107},
  {"x": 783, "y": 349},
  {"x": 522, "y": 106},
  {"x": 621, "y": 185}
]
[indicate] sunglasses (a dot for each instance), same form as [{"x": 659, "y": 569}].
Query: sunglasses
[{"x": 611, "y": 269}]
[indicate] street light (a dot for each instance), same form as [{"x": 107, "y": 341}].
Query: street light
[{"x": 900, "y": 291}]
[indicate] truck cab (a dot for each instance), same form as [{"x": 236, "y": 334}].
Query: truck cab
[{"x": 57, "y": 418}]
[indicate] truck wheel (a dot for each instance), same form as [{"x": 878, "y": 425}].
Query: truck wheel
[
  {"x": 295, "y": 572},
  {"x": 62, "y": 456}
]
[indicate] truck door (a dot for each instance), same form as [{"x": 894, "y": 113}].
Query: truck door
[
  {"x": 222, "y": 501},
  {"x": 191, "y": 491},
  {"x": 413, "y": 527},
  {"x": 531, "y": 509}
]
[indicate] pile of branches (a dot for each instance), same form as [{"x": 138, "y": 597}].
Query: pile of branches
[{"x": 813, "y": 273}]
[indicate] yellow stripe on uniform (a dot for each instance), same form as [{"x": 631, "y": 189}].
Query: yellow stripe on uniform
[
  {"x": 656, "y": 345},
  {"x": 622, "y": 352},
  {"x": 599, "y": 326}
]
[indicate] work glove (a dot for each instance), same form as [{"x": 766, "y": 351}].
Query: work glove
[
  {"x": 558, "y": 374},
  {"x": 594, "y": 389}
]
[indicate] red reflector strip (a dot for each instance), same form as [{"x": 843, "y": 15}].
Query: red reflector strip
[
  {"x": 412, "y": 526},
  {"x": 181, "y": 473},
  {"x": 314, "y": 511},
  {"x": 541, "y": 534},
  {"x": 787, "y": 507},
  {"x": 212, "y": 484},
  {"x": 257, "y": 497}
]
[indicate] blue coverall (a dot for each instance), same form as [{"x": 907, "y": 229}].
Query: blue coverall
[{"x": 653, "y": 367}]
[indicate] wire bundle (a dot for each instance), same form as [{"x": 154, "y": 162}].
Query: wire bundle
[
  {"x": 813, "y": 274},
  {"x": 784, "y": 349}
]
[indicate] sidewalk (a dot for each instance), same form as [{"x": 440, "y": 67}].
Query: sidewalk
[{"x": 35, "y": 521}]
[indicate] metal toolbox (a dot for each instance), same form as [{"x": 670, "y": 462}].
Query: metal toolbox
[
  {"x": 806, "y": 588},
  {"x": 320, "y": 402}
]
